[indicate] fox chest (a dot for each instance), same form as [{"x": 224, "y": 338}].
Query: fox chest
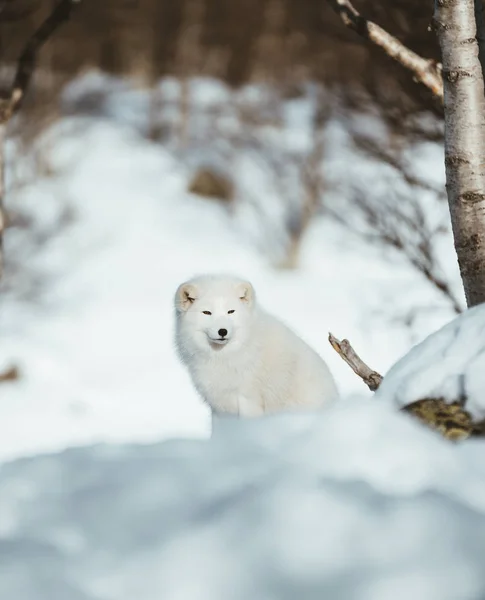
[{"x": 226, "y": 387}]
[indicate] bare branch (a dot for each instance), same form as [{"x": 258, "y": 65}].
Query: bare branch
[
  {"x": 26, "y": 62},
  {"x": 11, "y": 103},
  {"x": 378, "y": 151},
  {"x": 371, "y": 378},
  {"x": 451, "y": 420},
  {"x": 426, "y": 71},
  {"x": 398, "y": 218},
  {"x": 399, "y": 222}
]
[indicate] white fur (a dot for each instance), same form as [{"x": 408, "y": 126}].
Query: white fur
[{"x": 259, "y": 367}]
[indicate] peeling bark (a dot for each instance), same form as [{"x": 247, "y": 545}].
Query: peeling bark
[{"x": 464, "y": 104}]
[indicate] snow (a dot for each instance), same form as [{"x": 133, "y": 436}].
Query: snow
[
  {"x": 359, "y": 502},
  {"x": 448, "y": 364},
  {"x": 95, "y": 348},
  {"x": 285, "y": 507}
]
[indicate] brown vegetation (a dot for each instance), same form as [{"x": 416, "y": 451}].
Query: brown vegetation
[{"x": 210, "y": 184}]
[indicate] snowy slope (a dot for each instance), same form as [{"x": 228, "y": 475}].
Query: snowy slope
[
  {"x": 358, "y": 504},
  {"x": 448, "y": 364},
  {"x": 96, "y": 355}
]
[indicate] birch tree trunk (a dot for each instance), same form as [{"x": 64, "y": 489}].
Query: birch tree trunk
[{"x": 464, "y": 106}]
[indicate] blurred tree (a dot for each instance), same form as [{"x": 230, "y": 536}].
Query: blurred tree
[
  {"x": 11, "y": 101},
  {"x": 235, "y": 40}
]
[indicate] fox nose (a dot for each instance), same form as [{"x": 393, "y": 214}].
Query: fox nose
[{"x": 222, "y": 332}]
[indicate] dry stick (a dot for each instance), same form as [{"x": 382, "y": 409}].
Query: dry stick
[
  {"x": 371, "y": 378},
  {"x": 26, "y": 62},
  {"x": 11, "y": 103},
  {"x": 426, "y": 71}
]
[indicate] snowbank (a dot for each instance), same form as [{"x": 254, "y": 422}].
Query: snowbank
[
  {"x": 448, "y": 364},
  {"x": 360, "y": 503}
]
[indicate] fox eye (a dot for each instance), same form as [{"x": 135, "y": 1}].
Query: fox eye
[
  {"x": 207, "y": 312},
  {"x": 229, "y": 312}
]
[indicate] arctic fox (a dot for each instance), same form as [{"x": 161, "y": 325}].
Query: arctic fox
[{"x": 242, "y": 360}]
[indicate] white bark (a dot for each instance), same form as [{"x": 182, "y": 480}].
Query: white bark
[{"x": 464, "y": 104}]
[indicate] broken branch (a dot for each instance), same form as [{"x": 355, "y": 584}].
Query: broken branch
[
  {"x": 371, "y": 378},
  {"x": 426, "y": 71}
]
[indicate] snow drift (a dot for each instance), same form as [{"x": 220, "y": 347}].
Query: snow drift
[
  {"x": 449, "y": 364},
  {"x": 360, "y": 503}
]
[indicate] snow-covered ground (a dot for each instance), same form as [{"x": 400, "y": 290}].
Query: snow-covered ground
[
  {"x": 360, "y": 503},
  {"x": 448, "y": 364},
  {"x": 96, "y": 356},
  {"x": 357, "y": 503}
]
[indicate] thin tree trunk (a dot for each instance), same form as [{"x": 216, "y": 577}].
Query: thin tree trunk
[
  {"x": 10, "y": 104},
  {"x": 464, "y": 104}
]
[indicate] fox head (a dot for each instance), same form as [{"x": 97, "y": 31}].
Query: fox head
[{"x": 213, "y": 313}]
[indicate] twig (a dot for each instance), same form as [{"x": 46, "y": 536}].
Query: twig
[
  {"x": 371, "y": 378},
  {"x": 399, "y": 221},
  {"x": 26, "y": 62},
  {"x": 451, "y": 420},
  {"x": 426, "y": 71}
]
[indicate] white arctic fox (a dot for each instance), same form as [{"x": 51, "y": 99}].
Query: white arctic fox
[{"x": 242, "y": 360}]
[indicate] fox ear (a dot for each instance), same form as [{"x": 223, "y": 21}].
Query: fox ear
[
  {"x": 185, "y": 296},
  {"x": 246, "y": 293}
]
